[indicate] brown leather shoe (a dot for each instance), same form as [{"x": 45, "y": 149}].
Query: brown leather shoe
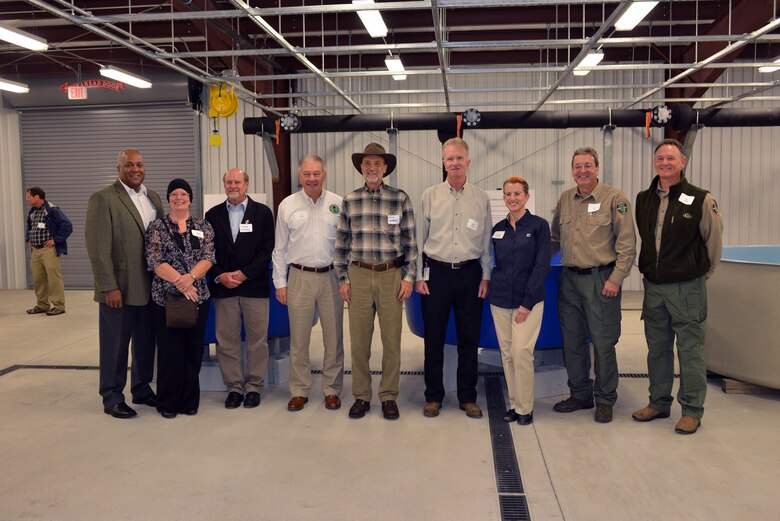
[
  {"x": 297, "y": 403},
  {"x": 649, "y": 414},
  {"x": 390, "y": 410},
  {"x": 431, "y": 409},
  {"x": 687, "y": 425},
  {"x": 332, "y": 402},
  {"x": 472, "y": 410},
  {"x": 359, "y": 409}
]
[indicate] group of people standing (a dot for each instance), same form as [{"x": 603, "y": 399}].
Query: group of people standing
[
  {"x": 681, "y": 232},
  {"x": 370, "y": 250}
]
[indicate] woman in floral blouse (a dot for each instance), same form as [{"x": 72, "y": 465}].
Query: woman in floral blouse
[{"x": 179, "y": 250}]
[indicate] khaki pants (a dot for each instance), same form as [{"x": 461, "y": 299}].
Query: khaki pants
[
  {"x": 307, "y": 291},
  {"x": 228, "y": 313},
  {"x": 49, "y": 286},
  {"x": 517, "y": 342},
  {"x": 375, "y": 293}
]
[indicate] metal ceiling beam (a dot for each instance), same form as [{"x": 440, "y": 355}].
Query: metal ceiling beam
[
  {"x": 510, "y": 70},
  {"x": 185, "y": 68},
  {"x": 512, "y": 103},
  {"x": 743, "y": 16},
  {"x": 718, "y": 55},
  {"x": 340, "y": 8},
  {"x": 572, "y": 88},
  {"x": 593, "y": 40},
  {"x": 382, "y": 48},
  {"x": 305, "y": 61},
  {"x": 438, "y": 27}
]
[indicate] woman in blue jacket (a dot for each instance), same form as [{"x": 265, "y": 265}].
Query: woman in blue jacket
[{"x": 521, "y": 249}]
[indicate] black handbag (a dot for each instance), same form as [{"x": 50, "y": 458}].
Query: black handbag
[{"x": 180, "y": 313}]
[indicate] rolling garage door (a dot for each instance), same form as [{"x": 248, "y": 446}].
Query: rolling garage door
[{"x": 71, "y": 153}]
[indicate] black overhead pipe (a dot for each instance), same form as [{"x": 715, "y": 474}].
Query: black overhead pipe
[{"x": 682, "y": 117}]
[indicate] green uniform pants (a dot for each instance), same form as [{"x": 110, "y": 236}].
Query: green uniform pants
[
  {"x": 676, "y": 309},
  {"x": 583, "y": 309}
]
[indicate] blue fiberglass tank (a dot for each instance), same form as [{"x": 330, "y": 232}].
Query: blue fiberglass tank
[
  {"x": 743, "y": 323},
  {"x": 549, "y": 336}
]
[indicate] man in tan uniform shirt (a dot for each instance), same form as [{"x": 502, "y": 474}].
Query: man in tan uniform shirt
[{"x": 593, "y": 227}]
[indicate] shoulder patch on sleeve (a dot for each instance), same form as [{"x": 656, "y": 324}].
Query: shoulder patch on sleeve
[
  {"x": 622, "y": 206},
  {"x": 715, "y": 208},
  {"x": 334, "y": 208}
]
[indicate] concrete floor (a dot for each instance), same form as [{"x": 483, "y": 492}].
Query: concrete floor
[{"x": 63, "y": 459}]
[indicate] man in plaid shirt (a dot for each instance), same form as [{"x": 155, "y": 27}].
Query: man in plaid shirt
[{"x": 375, "y": 261}]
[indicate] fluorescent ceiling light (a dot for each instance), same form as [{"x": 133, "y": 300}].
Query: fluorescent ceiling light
[
  {"x": 395, "y": 65},
  {"x": 22, "y": 39},
  {"x": 633, "y": 15},
  {"x": 372, "y": 19},
  {"x": 769, "y": 68},
  {"x": 591, "y": 60},
  {"x": 117, "y": 74},
  {"x": 13, "y": 86}
]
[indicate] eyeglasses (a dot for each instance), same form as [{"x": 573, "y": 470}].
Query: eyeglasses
[{"x": 585, "y": 166}]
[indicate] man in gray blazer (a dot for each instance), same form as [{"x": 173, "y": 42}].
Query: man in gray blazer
[{"x": 117, "y": 218}]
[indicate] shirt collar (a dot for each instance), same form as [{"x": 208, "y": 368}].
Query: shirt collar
[
  {"x": 242, "y": 204},
  {"x": 132, "y": 192}
]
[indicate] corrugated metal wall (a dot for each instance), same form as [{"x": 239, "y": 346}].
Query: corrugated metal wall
[
  {"x": 739, "y": 165},
  {"x": 236, "y": 150},
  {"x": 71, "y": 153},
  {"x": 12, "y": 208}
]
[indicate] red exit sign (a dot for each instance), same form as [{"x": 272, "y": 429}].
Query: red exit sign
[{"x": 77, "y": 92}]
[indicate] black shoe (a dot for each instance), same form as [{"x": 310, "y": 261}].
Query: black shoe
[
  {"x": 252, "y": 399},
  {"x": 603, "y": 413},
  {"x": 168, "y": 414},
  {"x": 511, "y": 416},
  {"x": 190, "y": 412},
  {"x": 359, "y": 409},
  {"x": 233, "y": 400},
  {"x": 150, "y": 400},
  {"x": 120, "y": 410},
  {"x": 526, "y": 419},
  {"x": 572, "y": 404}
]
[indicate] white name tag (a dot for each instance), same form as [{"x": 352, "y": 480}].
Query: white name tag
[
  {"x": 42, "y": 226},
  {"x": 393, "y": 219},
  {"x": 197, "y": 233},
  {"x": 472, "y": 224},
  {"x": 593, "y": 207},
  {"x": 498, "y": 235},
  {"x": 686, "y": 199},
  {"x": 245, "y": 228},
  {"x": 426, "y": 273}
]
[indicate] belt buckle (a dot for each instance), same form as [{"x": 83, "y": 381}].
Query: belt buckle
[{"x": 455, "y": 265}]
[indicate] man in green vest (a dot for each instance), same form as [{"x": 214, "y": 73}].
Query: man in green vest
[{"x": 681, "y": 231}]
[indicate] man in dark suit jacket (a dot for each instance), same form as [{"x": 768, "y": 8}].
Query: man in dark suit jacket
[
  {"x": 117, "y": 218},
  {"x": 244, "y": 240}
]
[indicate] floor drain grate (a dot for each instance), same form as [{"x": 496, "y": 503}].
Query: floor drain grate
[
  {"x": 508, "y": 480},
  {"x": 514, "y": 508}
]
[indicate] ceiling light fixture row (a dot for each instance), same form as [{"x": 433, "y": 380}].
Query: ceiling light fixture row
[
  {"x": 376, "y": 27},
  {"x": 115, "y": 73},
  {"x": 630, "y": 19}
]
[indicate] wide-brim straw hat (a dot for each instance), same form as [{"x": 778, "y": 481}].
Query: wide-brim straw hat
[{"x": 375, "y": 149}]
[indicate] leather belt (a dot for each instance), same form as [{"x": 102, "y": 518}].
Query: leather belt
[
  {"x": 588, "y": 271},
  {"x": 312, "y": 270},
  {"x": 395, "y": 263},
  {"x": 451, "y": 265}
]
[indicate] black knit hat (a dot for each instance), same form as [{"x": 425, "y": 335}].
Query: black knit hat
[{"x": 175, "y": 185}]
